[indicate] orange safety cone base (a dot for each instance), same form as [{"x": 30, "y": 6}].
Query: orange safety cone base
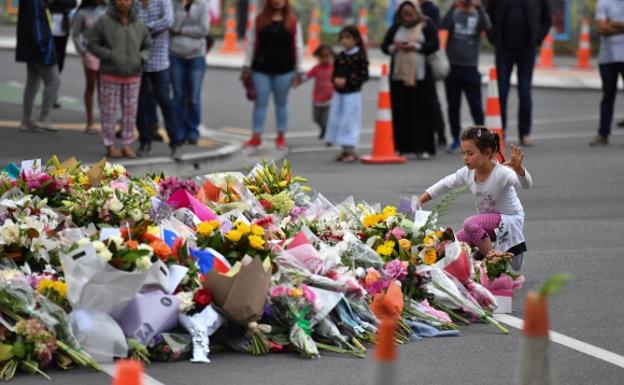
[{"x": 369, "y": 159}]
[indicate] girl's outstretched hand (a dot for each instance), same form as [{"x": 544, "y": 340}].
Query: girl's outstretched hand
[{"x": 515, "y": 159}]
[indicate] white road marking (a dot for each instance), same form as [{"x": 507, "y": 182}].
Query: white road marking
[
  {"x": 147, "y": 380},
  {"x": 572, "y": 343},
  {"x": 15, "y": 84}
]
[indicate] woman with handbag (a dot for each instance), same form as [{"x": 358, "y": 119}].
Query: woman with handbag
[
  {"x": 187, "y": 54},
  {"x": 409, "y": 42},
  {"x": 273, "y": 62}
]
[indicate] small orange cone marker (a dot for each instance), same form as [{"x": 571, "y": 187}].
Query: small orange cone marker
[{"x": 128, "y": 372}]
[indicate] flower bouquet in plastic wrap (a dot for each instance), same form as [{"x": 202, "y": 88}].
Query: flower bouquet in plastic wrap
[
  {"x": 240, "y": 295},
  {"x": 493, "y": 273},
  {"x": 34, "y": 332}
]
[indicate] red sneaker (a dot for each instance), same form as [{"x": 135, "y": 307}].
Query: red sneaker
[
  {"x": 254, "y": 141},
  {"x": 280, "y": 142}
]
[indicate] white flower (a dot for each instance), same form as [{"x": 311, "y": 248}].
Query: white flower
[
  {"x": 119, "y": 169},
  {"x": 119, "y": 241},
  {"x": 115, "y": 204},
  {"x": 143, "y": 246},
  {"x": 9, "y": 233},
  {"x": 105, "y": 255},
  {"x": 136, "y": 215},
  {"x": 84, "y": 242},
  {"x": 186, "y": 301},
  {"x": 143, "y": 263},
  {"x": 98, "y": 246}
]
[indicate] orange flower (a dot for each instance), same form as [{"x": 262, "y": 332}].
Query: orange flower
[
  {"x": 161, "y": 249},
  {"x": 132, "y": 245},
  {"x": 372, "y": 276}
]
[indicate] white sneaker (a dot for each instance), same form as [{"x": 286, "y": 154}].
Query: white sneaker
[
  {"x": 44, "y": 125},
  {"x": 25, "y": 126},
  {"x": 423, "y": 156}
]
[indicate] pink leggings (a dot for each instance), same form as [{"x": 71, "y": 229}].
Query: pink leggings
[{"x": 478, "y": 227}]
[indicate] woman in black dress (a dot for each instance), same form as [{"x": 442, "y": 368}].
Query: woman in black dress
[{"x": 409, "y": 41}]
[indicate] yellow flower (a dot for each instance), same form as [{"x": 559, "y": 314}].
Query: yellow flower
[
  {"x": 256, "y": 242},
  {"x": 295, "y": 292},
  {"x": 156, "y": 179},
  {"x": 405, "y": 244},
  {"x": 242, "y": 227},
  {"x": 233, "y": 235},
  {"x": 439, "y": 234},
  {"x": 389, "y": 211},
  {"x": 429, "y": 241},
  {"x": 206, "y": 228},
  {"x": 257, "y": 230},
  {"x": 429, "y": 256},
  {"x": 83, "y": 180},
  {"x": 385, "y": 249},
  {"x": 47, "y": 284},
  {"x": 372, "y": 220}
]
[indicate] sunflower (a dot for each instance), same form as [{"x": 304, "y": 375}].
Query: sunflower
[
  {"x": 233, "y": 235},
  {"x": 256, "y": 242}
]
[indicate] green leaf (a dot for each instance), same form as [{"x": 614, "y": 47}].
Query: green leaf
[
  {"x": 555, "y": 283},
  {"x": 6, "y": 352},
  {"x": 19, "y": 349}
]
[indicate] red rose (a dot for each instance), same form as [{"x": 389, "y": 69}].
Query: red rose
[
  {"x": 266, "y": 204},
  {"x": 202, "y": 298}
]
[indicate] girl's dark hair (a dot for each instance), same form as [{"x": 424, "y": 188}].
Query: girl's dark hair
[
  {"x": 323, "y": 48},
  {"x": 483, "y": 138},
  {"x": 351, "y": 30},
  {"x": 88, "y": 4}
]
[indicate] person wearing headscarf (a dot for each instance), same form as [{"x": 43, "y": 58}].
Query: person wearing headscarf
[{"x": 409, "y": 41}]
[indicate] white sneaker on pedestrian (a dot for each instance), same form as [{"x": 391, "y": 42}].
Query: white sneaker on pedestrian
[
  {"x": 25, "y": 126},
  {"x": 423, "y": 156},
  {"x": 44, "y": 125}
]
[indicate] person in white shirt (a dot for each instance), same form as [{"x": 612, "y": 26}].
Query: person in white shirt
[{"x": 498, "y": 224}]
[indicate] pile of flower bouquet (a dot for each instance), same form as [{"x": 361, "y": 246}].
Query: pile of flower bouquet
[{"x": 96, "y": 264}]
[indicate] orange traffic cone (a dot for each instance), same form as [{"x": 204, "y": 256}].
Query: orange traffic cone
[
  {"x": 547, "y": 54},
  {"x": 534, "y": 362},
  {"x": 584, "y": 54},
  {"x": 362, "y": 27},
  {"x": 128, "y": 372},
  {"x": 314, "y": 32},
  {"x": 383, "y": 142},
  {"x": 251, "y": 16},
  {"x": 385, "y": 371},
  {"x": 443, "y": 37},
  {"x": 230, "y": 42},
  {"x": 493, "y": 120}
]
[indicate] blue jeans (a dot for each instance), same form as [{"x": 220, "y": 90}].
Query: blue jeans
[
  {"x": 468, "y": 80},
  {"x": 188, "y": 77},
  {"x": 524, "y": 59},
  {"x": 609, "y": 74},
  {"x": 156, "y": 84},
  {"x": 279, "y": 85}
]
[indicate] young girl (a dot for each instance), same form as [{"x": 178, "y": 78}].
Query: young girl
[
  {"x": 88, "y": 13},
  {"x": 345, "y": 114},
  {"x": 500, "y": 217},
  {"x": 122, "y": 43},
  {"x": 323, "y": 86}
]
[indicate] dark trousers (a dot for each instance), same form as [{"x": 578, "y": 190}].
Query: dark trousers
[
  {"x": 60, "y": 45},
  {"x": 156, "y": 84},
  {"x": 320, "y": 114},
  {"x": 524, "y": 60},
  {"x": 467, "y": 80},
  {"x": 609, "y": 74}
]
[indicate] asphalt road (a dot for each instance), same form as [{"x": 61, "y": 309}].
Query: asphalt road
[{"x": 574, "y": 223}]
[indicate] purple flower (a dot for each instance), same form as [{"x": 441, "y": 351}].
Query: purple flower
[
  {"x": 294, "y": 213},
  {"x": 395, "y": 269}
]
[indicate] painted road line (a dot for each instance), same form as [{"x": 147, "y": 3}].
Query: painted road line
[
  {"x": 147, "y": 380},
  {"x": 572, "y": 343}
]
